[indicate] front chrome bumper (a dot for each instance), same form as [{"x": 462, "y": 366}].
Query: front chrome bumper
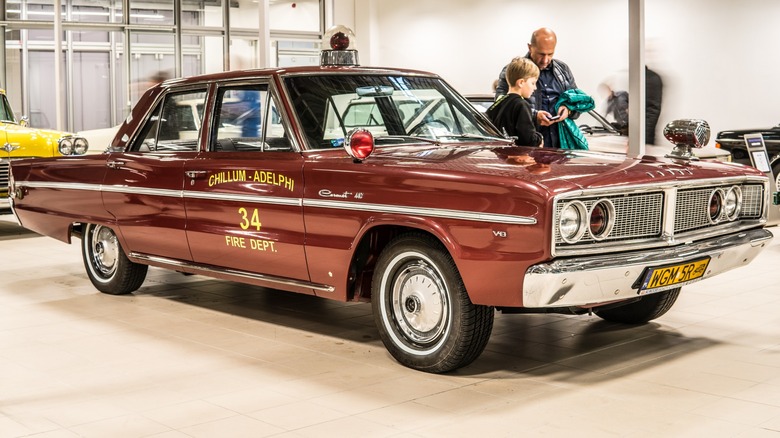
[{"x": 590, "y": 281}]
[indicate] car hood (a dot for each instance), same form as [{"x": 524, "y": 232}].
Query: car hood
[
  {"x": 553, "y": 169},
  {"x": 768, "y": 133},
  {"x": 31, "y": 142}
]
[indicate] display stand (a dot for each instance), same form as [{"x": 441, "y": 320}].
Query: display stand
[{"x": 759, "y": 158}]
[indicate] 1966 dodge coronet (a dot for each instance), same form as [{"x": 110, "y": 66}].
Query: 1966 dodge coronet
[{"x": 387, "y": 186}]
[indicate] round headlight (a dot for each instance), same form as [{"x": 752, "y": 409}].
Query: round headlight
[
  {"x": 66, "y": 145},
  {"x": 715, "y": 208},
  {"x": 733, "y": 203},
  {"x": 601, "y": 219},
  {"x": 80, "y": 146},
  {"x": 571, "y": 223}
]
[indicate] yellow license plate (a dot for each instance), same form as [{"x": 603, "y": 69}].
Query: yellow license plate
[{"x": 669, "y": 276}]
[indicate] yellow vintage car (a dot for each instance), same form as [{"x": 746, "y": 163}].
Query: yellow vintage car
[{"x": 18, "y": 140}]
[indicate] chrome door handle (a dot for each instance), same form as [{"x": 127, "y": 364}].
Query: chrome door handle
[
  {"x": 116, "y": 164},
  {"x": 196, "y": 173}
]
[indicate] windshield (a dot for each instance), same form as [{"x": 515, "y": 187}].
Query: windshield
[{"x": 396, "y": 109}]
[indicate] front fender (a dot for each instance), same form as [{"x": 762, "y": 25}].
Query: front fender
[{"x": 491, "y": 257}]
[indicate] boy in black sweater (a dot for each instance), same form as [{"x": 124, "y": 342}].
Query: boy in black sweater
[{"x": 512, "y": 113}]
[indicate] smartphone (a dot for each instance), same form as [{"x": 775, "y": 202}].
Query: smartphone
[{"x": 553, "y": 118}]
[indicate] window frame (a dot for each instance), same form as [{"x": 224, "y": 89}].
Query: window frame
[
  {"x": 265, "y": 84},
  {"x": 159, "y": 104}
]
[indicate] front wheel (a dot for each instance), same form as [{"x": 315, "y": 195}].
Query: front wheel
[
  {"x": 108, "y": 267},
  {"x": 422, "y": 311},
  {"x": 647, "y": 308}
]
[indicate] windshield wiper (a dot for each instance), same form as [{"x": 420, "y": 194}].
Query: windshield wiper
[
  {"x": 408, "y": 137},
  {"x": 476, "y": 137}
]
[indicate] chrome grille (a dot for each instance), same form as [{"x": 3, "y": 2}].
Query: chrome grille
[
  {"x": 752, "y": 201},
  {"x": 643, "y": 219},
  {"x": 692, "y": 209},
  {"x": 692, "y": 213},
  {"x": 631, "y": 213},
  {"x": 4, "y": 171}
]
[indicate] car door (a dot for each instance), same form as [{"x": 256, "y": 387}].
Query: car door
[
  {"x": 143, "y": 186},
  {"x": 243, "y": 194}
]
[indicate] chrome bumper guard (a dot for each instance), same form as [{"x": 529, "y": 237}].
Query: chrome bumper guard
[{"x": 591, "y": 281}]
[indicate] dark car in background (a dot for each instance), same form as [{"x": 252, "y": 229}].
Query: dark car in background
[{"x": 734, "y": 142}]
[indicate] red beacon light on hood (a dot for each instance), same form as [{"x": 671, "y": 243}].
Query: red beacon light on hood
[
  {"x": 339, "y": 39},
  {"x": 359, "y": 144}
]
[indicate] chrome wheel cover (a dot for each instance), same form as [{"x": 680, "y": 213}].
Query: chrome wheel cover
[
  {"x": 418, "y": 304},
  {"x": 103, "y": 251}
]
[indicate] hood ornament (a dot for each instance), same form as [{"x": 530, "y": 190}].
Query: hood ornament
[
  {"x": 686, "y": 134},
  {"x": 8, "y": 148}
]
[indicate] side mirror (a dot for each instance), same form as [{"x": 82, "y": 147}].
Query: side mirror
[
  {"x": 24, "y": 121},
  {"x": 686, "y": 134}
]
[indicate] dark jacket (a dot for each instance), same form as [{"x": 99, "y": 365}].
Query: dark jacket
[
  {"x": 617, "y": 107},
  {"x": 654, "y": 89},
  {"x": 512, "y": 115}
]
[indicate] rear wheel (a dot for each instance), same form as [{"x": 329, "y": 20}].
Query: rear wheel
[
  {"x": 648, "y": 308},
  {"x": 422, "y": 311},
  {"x": 107, "y": 266}
]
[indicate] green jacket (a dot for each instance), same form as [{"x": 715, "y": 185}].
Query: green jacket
[{"x": 570, "y": 135}]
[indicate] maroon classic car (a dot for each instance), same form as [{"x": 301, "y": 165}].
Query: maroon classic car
[{"x": 386, "y": 185}]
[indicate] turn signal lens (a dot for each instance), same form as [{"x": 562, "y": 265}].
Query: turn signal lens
[
  {"x": 715, "y": 208},
  {"x": 601, "y": 219}
]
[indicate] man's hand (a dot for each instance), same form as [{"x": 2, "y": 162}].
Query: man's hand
[
  {"x": 564, "y": 113},
  {"x": 543, "y": 118}
]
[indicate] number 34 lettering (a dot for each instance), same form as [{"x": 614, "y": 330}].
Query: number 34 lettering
[{"x": 249, "y": 221}]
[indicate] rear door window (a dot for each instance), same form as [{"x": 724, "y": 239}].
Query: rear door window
[{"x": 175, "y": 123}]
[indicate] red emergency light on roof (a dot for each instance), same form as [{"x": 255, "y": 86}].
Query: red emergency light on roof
[
  {"x": 340, "y": 38},
  {"x": 339, "y": 41}
]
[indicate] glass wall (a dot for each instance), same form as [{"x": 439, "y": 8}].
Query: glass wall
[{"x": 165, "y": 38}]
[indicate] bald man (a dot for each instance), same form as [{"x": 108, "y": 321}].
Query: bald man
[{"x": 555, "y": 77}]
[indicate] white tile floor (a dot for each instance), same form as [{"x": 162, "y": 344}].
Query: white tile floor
[{"x": 195, "y": 357}]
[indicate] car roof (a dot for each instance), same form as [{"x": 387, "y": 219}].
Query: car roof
[{"x": 305, "y": 70}]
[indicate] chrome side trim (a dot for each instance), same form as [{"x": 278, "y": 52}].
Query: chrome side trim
[
  {"x": 275, "y": 200},
  {"x": 599, "y": 279},
  {"x": 421, "y": 211},
  {"x": 59, "y": 185},
  {"x": 296, "y": 202},
  {"x": 178, "y": 264},
  {"x": 142, "y": 191}
]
